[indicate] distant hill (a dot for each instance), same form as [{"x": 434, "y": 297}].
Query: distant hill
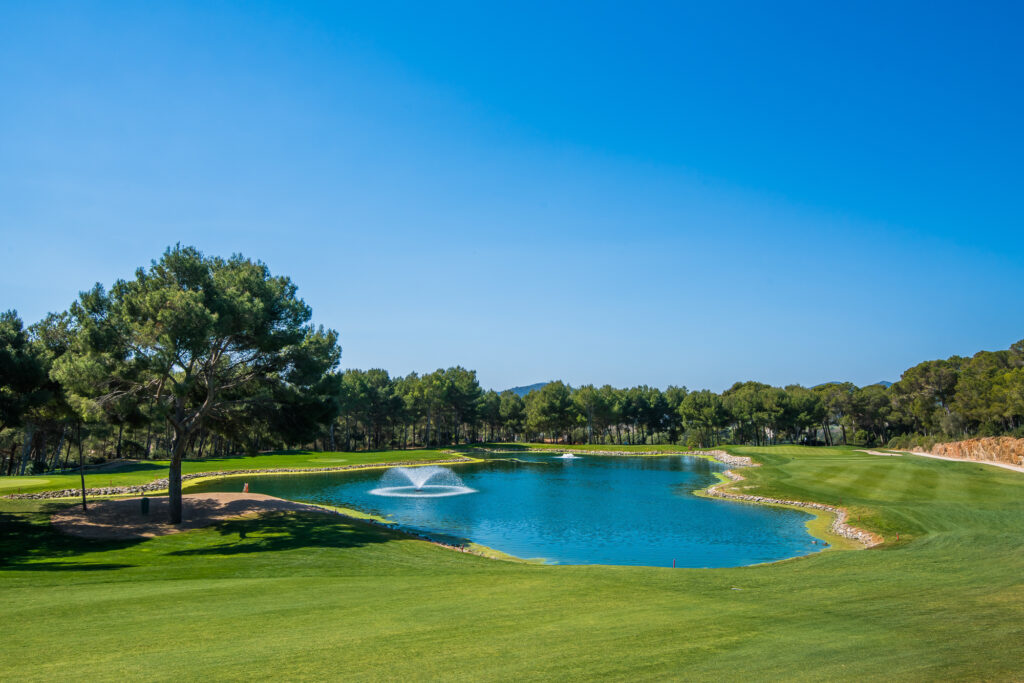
[
  {"x": 523, "y": 391},
  {"x": 883, "y": 383}
]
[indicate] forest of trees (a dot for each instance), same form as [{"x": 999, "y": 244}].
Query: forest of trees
[{"x": 199, "y": 357}]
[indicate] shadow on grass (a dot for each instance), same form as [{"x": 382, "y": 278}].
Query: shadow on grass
[
  {"x": 67, "y": 566},
  {"x": 27, "y": 541},
  {"x": 112, "y": 468},
  {"x": 278, "y": 531}
]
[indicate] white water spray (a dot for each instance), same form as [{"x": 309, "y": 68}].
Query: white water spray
[{"x": 421, "y": 482}]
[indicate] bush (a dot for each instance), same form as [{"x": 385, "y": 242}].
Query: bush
[
  {"x": 908, "y": 442},
  {"x": 901, "y": 442},
  {"x": 863, "y": 438}
]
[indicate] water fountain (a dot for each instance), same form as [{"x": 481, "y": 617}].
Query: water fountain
[
  {"x": 568, "y": 456},
  {"x": 420, "y": 482}
]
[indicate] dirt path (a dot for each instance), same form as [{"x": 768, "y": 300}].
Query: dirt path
[
  {"x": 1004, "y": 465},
  {"x": 123, "y": 519}
]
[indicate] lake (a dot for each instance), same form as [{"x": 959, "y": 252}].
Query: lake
[{"x": 615, "y": 510}]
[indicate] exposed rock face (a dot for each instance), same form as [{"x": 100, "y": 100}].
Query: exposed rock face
[{"x": 1004, "y": 449}]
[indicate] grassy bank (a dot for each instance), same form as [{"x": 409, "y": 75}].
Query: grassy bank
[{"x": 312, "y": 596}]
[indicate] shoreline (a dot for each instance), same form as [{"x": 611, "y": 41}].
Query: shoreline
[
  {"x": 66, "y": 523},
  {"x": 838, "y": 527},
  {"x": 359, "y": 516},
  {"x": 710, "y": 454}
]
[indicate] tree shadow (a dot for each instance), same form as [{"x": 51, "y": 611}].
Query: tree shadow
[
  {"x": 67, "y": 566},
  {"x": 278, "y": 531},
  {"x": 113, "y": 468},
  {"x": 27, "y": 541},
  {"x": 134, "y": 467}
]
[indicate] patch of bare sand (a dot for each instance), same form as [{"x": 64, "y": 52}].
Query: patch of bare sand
[
  {"x": 1004, "y": 465},
  {"x": 123, "y": 518},
  {"x": 994, "y": 463}
]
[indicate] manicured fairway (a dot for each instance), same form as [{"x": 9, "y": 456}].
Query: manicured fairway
[
  {"x": 142, "y": 472},
  {"x": 309, "y": 596}
]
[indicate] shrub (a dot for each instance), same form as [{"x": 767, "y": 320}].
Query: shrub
[{"x": 863, "y": 438}]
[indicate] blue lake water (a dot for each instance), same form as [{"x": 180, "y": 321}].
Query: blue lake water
[{"x": 591, "y": 510}]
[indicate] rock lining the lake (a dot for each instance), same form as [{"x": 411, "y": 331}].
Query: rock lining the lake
[
  {"x": 839, "y": 526},
  {"x": 721, "y": 456}
]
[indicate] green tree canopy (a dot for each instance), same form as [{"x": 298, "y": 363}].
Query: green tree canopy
[
  {"x": 550, "y": 409},
  {"x": 194, "y": 338},
  {"x": 23, "y": 376}
]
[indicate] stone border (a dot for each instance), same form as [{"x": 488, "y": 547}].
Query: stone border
[
  {"x": 737, "y": 460},
  {"x": 839, "y": 526},
  {"x": 161, "y": 484}
]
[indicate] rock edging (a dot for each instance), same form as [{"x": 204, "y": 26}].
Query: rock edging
[
  {"x": 717, "y": 455},
  {"x": 839, "y": 526},
  {"x": 161, "y": 484}
]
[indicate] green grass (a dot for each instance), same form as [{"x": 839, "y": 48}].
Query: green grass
[
  {"x": 315, "y": 596},
  {"x": 143, "y": 472}
]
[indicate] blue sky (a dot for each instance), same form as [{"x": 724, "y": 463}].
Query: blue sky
[{"x": 624, "y": 193}]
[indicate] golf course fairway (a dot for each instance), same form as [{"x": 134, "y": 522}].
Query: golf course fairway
[{"x": 302, "y": 595}]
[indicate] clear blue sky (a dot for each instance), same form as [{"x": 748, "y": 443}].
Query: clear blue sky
[{"x": 625, "y": 193}]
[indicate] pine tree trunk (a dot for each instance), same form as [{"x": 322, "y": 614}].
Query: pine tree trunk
[
  {"x": 81, "y": 466},
  {"x": 67, "y": 456},
  {"x": 60, "y": 445},
  {"x": 174, "y": 480},
  {"x": 181, "y": 438},
  {"x": 26, "y": 449},
  {"x": 149, "y": 436}
]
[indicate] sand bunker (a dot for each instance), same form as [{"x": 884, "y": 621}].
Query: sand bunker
[{"x": 121, "y": 519}]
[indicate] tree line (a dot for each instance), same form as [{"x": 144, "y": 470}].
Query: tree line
[{"x": 201, "y": 356}]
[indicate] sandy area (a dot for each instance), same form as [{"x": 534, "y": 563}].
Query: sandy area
[
  {"x": 119, "y": 519},
  {"x": 1004, "y": 465}
]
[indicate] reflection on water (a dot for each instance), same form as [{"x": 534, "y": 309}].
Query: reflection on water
[{"x": 587, "y": 510}]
